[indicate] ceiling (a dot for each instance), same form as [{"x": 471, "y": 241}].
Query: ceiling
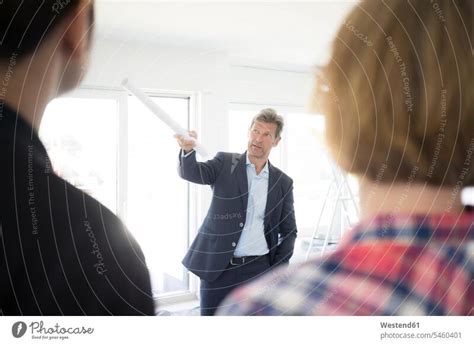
[{"x": 294, "y": 35}]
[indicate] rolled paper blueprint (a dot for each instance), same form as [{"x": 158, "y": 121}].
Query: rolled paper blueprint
[{"x": 162, "y": 115}]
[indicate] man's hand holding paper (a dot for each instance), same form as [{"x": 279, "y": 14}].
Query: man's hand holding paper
[{"x": 186, "y": 144}]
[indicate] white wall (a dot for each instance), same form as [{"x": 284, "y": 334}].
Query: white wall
[{"x": 268, "y": 86}]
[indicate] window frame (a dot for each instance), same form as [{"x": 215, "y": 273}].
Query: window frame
[{"x": 194, "y": 116}]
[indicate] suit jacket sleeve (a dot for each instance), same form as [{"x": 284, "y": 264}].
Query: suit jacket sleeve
[
  {"x": 287, "y": 229},
  {"x": 200, "y": 172}
]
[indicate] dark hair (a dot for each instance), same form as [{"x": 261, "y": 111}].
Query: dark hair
[
  {"x": 270, "y": 115},
  {"x": 25, "y": 24}
]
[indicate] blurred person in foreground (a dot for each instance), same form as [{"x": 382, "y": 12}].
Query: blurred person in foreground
[
  {"x": 61, "y": 251},
  {"x": 399, "y": 105}
]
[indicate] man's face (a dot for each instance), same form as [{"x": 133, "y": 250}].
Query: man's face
[{"x": 262, "y": 138}]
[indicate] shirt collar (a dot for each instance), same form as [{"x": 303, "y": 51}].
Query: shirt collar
[{"x": 264, "y": 171}]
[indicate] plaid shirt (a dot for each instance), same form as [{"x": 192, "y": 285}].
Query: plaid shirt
[{"x": 391, "y": 265}]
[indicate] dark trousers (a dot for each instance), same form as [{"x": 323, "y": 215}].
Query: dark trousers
[{"x": 213, "y": 293}]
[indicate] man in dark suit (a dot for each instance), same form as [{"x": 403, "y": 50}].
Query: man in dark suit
[
  {"x": 61, "y": 251},
  {"x": 250, "y": 226}
]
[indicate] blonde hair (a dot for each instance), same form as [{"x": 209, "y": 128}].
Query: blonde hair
[
  {"x": 398, "y": 92},
  {"x": 269, "y": 115}
]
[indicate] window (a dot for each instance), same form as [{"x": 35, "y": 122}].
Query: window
[
  {"x": 156, "y": 213},
  {"x": 309, "y": 164},
  {"x": 109, "y": 145},
  {"x": 80, "y": 135}
]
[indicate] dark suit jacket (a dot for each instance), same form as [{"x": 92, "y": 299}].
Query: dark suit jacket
[
  {"x": 214, "y": 246},
  {"x": 61, "y": 251}
]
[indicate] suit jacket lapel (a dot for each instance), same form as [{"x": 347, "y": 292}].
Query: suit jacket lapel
[
  {"x": 239, "y": 170},
  {"x": 271, "y": 194}
]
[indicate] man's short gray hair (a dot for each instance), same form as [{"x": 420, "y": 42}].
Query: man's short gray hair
[{"x": 269, "y": 115}]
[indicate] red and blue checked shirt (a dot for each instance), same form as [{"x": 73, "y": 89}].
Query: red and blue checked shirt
[{"x": 391, "y": 265}]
